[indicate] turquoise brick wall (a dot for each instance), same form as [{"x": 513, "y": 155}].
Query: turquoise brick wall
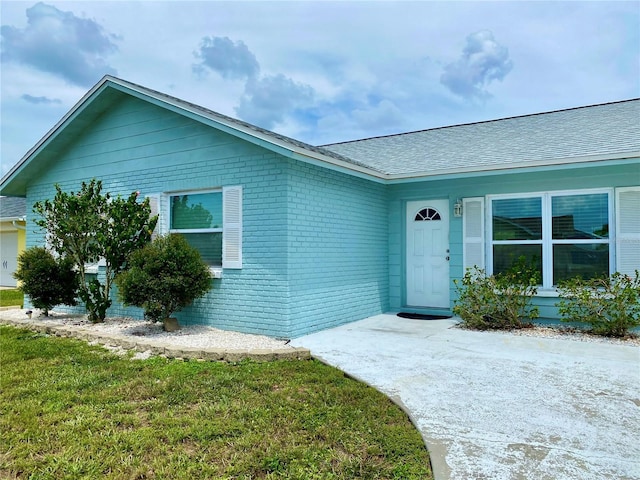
[
  {"x": 137, "y": 146},
  {"x": 337, "y": 248},
  {"x": 557, "y": 178},
  {"x": 320, "y": 247},
  {"x": 308, "y": 262}
]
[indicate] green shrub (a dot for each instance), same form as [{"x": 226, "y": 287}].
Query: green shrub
[
  {"x": 89, "y": 226},
  {"x": 500, "y": 301},
  {"x": 611, "y": 305},
  {"x": 47, "y": 280},
  {"x": 164, "y": 277}
]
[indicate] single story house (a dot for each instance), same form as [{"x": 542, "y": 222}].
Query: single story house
[
  {"x": 12, "y": 237},
  {"x": 302, "y": 238}
]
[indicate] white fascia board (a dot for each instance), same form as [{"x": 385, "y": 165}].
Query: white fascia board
[{"x": 488, "y": 170}]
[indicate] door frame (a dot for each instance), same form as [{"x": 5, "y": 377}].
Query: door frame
[{"x": 443, "y": 206}]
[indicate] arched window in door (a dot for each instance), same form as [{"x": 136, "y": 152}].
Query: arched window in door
[{"x": 427, "y": 214}]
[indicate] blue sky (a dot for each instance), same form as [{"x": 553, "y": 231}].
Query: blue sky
[{"x": 320, "y": 72}]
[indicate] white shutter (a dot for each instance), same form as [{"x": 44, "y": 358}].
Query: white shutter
[
  {"x": 232, "y": 227},
  {"x": 473, "y": 232},
  {"x": 628, "y": 230},
  {"x": 159, "y": 206},
  {"x": 154, "y": 203}
]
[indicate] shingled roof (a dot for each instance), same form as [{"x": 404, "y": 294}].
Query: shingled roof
[
  {"x": 12, "y": 207},
  {"x": 586, "y": 133}
]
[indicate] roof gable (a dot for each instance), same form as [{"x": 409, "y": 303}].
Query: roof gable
[{"x": 111, "y": 90}]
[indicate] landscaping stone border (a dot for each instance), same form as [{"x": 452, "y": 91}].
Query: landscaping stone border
[{"x": 161, "y": 348}]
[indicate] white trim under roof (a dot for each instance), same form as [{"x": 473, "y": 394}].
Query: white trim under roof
[{"x": 520, "y": 165}]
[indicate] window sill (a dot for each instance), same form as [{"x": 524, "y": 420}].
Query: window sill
[
  {"x": 549, "y": 293},
  {"x": 215, "y": 272}
]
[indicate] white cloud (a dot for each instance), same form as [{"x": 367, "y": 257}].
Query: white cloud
[
  {"x": 483, "y": 60},
  {"x": 40, "y": 100},
  {"x": 268, "y": 100},
  {"x": 61, "y": 43},
  {"x": 379, "y": 117},
  {"x": 230, "y": 59}
]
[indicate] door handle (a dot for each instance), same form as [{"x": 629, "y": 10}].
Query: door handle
[{"x": 447, "y": 258}]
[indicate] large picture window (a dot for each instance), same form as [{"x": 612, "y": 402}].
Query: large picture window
[
  {"x": 563, "y": 234},
  {"x": 198, "y": 217}
]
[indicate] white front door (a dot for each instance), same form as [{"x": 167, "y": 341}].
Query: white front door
[{"x": 428, "y": 254}]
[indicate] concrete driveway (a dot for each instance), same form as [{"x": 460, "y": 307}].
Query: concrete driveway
[{"x": 498, "y": 406}]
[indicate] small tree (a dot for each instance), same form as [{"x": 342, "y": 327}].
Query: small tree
[
  {"x": 164, "y": 277},
  {"x": 48, "y": 281},
  {"x": 89, "y": 226}
]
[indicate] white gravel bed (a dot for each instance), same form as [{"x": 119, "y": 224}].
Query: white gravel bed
[
  {"x": 570, "y": 333},
  {"x": 193, "y": 336},
  {"x": 201, "y": 336}
]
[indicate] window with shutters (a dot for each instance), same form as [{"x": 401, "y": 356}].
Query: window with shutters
[
  {"x": 627, "y": 230},
  {"x": 211, "y": 221},
  {"x": 564, "y": 234}
]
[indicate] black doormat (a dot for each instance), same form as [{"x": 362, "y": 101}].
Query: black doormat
[{"x": 422, "y": 316}]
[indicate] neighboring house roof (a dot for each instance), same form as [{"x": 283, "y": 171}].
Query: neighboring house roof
[
  {"x": 12, "y": 208},
  {"x": 599, "y": 132},
  {"x": 586, "y": 134}
]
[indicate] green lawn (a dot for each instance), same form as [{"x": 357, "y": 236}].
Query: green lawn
[
  {"x": 69, "y": 410},
  {"x": 9, "y": 298}
]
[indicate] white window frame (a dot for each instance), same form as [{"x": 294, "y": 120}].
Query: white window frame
[
  {"x": 547, "y": 241},
  {"x": 215, "y": 270}
]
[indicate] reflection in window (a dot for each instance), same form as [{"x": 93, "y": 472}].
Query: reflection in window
[
  {"x": 194, "y": 211},
  {"x": 581, "y": 216},
  {"x": 568, "y": 232},
  {"x": 517, "y": 219},
  {"x": 198, "y": 217}
]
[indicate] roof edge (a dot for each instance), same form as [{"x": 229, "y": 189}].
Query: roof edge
[{"x": 400, "y": 178}]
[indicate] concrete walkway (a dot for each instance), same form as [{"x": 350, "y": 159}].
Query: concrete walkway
[{"x": 497, "y": 406}]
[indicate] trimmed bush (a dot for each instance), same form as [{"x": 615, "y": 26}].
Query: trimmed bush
[
  {"x": 48, "y": 281},
  {"x": 611, "y": 305},
  {"x": 498, "y": 301},
  {"x": 164, "y": 277}
]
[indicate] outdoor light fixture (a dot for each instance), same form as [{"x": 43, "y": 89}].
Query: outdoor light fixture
[{"x": 457, "y": 208}]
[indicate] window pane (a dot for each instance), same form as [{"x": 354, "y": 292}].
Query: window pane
[
  {"x": 581, "y": 216},
  {"x": 583, "y": 260},
  {"x": 505, "y": 255},
  {"x": 208, "y": 244},
  {"x": 203, "y": 210},
  {"x": 517, "y": 219}
]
